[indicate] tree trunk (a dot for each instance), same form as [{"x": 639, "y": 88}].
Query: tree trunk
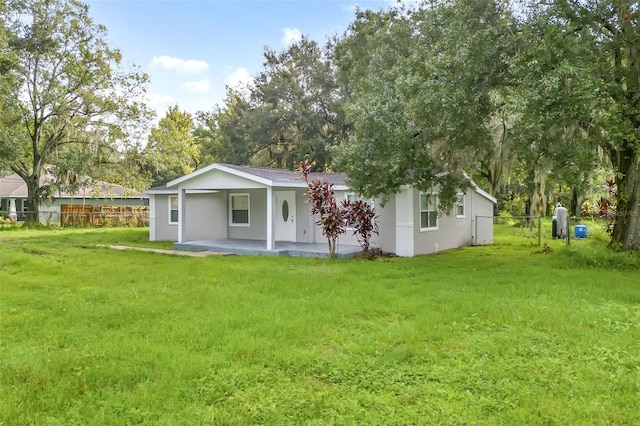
[
  {"x": 573, "y": 205},
  {"x": 332, "y": 247},
  {"x": 626, "y": 229},
  {"x": 33, "y": 200}
]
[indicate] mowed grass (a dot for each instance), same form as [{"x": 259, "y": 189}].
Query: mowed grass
[{"x": 483, "y": 335}]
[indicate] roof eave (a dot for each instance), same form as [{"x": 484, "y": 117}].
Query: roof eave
[{"x": 222, "y": 168}]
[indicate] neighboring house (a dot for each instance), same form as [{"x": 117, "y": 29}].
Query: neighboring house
[
  {"x": 13, "y": 198},
  {"x": 222, "y": 203}
]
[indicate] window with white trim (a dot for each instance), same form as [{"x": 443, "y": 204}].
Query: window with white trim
[
  {"x": 428, "y": 212},
  {"x": 459, "y": 205},
  {"x": 239, "y": 209},
  {"x": 173, "y": 209}
]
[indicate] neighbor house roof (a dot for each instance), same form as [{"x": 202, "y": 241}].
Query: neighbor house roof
[{"x": 13, "y": 186}]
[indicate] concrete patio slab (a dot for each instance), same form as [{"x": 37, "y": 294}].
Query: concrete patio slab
[{"x": 258, "y": 248}]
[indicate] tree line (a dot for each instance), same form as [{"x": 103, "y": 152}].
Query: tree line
[{"x": 538, "y": 101}]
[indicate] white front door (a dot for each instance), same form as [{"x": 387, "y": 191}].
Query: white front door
[{"x": 285, "y": 216}]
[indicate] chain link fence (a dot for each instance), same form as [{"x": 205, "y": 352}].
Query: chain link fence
[{"x": 535, "y": 230}]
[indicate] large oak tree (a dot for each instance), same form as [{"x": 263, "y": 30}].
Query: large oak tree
[
  {"x": 67, "y": 89},
  {"x": 580, "y": 92},
  {"x": 421, "y": 88},
  {"x": 292, "y": 110}
]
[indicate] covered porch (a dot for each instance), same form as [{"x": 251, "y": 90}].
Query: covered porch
[{"x": 259, "y": 248}]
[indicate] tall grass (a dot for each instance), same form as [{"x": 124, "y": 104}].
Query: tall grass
[{"x": 491, "y": 335}]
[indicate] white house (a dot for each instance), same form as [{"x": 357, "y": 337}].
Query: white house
[{"x": 226, "y": 207}]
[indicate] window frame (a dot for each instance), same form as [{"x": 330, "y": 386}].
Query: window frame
[
  {"x": 232, "y": 195},
  {"x": 435, "y": 211},
  {"x": 177, "y": 210},
  {"x": 460, "y": 202}
]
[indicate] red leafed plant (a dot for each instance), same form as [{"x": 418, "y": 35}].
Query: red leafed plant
[
  {"x": 361, "y": 217},
  {"x": 323, "y": 203},
  {"x": 333, "y": 218}
]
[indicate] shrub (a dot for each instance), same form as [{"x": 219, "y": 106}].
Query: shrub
[
  {"x": 323, "y": 203},
  {"x": 334, "y": 219},
  {"x": 362, "y": 218}
]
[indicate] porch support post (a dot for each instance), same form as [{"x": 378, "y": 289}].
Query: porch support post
[
  {"x": 182, "y": 219},
  {"x": 270, "y": 231},
  {"x": 152, "y": 217},
  {"x": 13, "y": 214},
  {"x": 405, "y": 227}
]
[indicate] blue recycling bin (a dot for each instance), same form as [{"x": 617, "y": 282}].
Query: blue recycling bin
[{"x": 580, "y": 231}]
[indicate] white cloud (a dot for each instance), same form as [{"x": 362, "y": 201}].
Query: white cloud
[
  {"x": 239, "y": 77},
  {"x": 187, "y": 66},
  {"x": 200, "y": 86},
  {"x": 158, "y": 99},
  {"x": 290, "y": 35}
]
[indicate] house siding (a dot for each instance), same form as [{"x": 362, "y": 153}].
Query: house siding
[
  {"x": 257, "y": 229},
  {"x": 207, "y": 216},
  {"x": 386, "y": 220},
  {"x": 482, "y": 219},
  {"x": 159, "y": 228},
  {"x": 304, "y": 225},
  {"x": 217, "y": 179},
  {"x": 386, "y": 241}
]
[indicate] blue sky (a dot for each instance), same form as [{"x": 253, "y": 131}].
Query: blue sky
[{"x": 192, "y": 49}]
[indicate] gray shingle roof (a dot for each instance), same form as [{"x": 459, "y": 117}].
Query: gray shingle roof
[{"x": 284, "y": 176}]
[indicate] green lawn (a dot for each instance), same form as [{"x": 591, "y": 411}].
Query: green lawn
[{"x": 488, "y": 335}]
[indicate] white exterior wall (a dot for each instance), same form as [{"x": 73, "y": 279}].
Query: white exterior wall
[
  {"x": 406, "y": 211},
  {"x": 217, "y": 179},
  {"x": 207, "y": 216},
  {"x": 452, "y": 232},
  {"x": 482, "y": 220},
  {"x": 257, "y": 229},
  {"x": 386, "y": 241},
  {"x": 305, "y": 232},
  {"x": 159, "y": 227}
]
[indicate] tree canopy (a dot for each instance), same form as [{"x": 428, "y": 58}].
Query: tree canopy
[
  {"x": 420, "y": 86},
  {"x": 68, "y": 92},
  {"x": 171, "y": 150},
  {"x": 484, "y": 87},
  {"x": 291, "y": 111},
  {"x": 580, "y": 92}
]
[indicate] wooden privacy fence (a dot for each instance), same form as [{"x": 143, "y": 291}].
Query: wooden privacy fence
[{"x": 87, "y": 215}]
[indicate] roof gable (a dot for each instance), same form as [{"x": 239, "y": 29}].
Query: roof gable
[{"x": 259, "y": 175}]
